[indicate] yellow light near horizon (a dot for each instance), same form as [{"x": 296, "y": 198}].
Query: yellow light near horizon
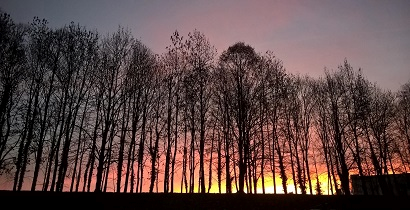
[
  {"x": 269, "y": 186},
  {"x": 270, "y": 189}
]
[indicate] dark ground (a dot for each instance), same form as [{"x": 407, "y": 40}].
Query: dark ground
[{"x": 66, "y": 200}]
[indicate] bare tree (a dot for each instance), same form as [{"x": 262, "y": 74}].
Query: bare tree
[
  {"x": 403, "y": 124},
  {"x": 238, "y": 63},
  {"x": 12, "y": 66},
  {"x": 40, "y": 48},
  {"x": 156, "y": 126},
  {"x": 200, "y": 58},
  {"x": 174, "y": 64},
  {"x": 78, "y": 56},
  {"x": 113, "y": 63},
  {"x": 335, "y": 88}
]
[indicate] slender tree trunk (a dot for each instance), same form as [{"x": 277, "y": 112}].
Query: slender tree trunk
[
  {"x": 332, "y": 166},
  {"x": 359, "y": 160},
  {"x": 210, "y": 160},
  {"x": 94, "y": 142},
  {"x": 228, "y": 181},
  {"x": 263, "y": 156},
  {"x": 282, "y": 167},
  {"x": 66, "y": 147},
  {"x": 20, "y": 154},
  {"x": 101, "y": 156},
  {"x": 219, "y": 169},
  {"x": 175, "y": 143},
  {"x": 307, "y": 164},
  {"x": 124, "y": 126},
  {"x": 42, "y": 134},
  {"x": 130, "y": 151},
  {"x": 154, "y": 154},
  {"x": 202, "y": 141},
  {"x": 184, "y": 181},
  {"x": 140, "y": 172},
  {"x": 85, "y": 175},
  {"x": 52, "y": 153},
  {"x": 80, "y": 167},
  {"x": 344, "y": 175},
  {"x": 318, "y": 187},
  {"x": 30, "y": 137},
  {"x": 192, "y": 153},
  {"x": 291, "y": 153},
  {"x": 107, "y": 171},
  {"x": 271, "y": 148},
  {"x": 169, "y": 144},
  {"x": 78, "y": 148}
]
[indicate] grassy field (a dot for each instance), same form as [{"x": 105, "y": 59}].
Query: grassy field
[{"x": 66, "y": 200}]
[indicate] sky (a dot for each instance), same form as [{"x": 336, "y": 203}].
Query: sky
[{"x": 307, "y": 35}]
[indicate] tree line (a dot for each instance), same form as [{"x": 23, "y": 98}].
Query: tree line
[{"x": 85, "y": 112}]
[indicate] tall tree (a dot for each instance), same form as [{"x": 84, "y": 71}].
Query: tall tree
[
  {"x": 200, "y": 58},
  {"x": 403, "y": 119},
  {"x": 12, "y": 66},
  {"x": 239, "y": 62},
  {"x": 335, "y": 91},
  {"x": 115, "y": 49},
  {"x": 174, "y": 63},
  {"x": 41, "y": 39},
  {"x": 78, "y": 56}
]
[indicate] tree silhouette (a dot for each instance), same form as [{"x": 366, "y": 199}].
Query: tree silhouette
[
  {"x": 80, "y": 112},
  {"x": 238, "y": 64}
]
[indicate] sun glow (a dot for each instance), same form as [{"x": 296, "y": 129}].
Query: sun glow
[{"x": 270, "y": 187}]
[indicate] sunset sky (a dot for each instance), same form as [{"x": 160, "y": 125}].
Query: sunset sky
[{"x": 306, "y": 35}]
